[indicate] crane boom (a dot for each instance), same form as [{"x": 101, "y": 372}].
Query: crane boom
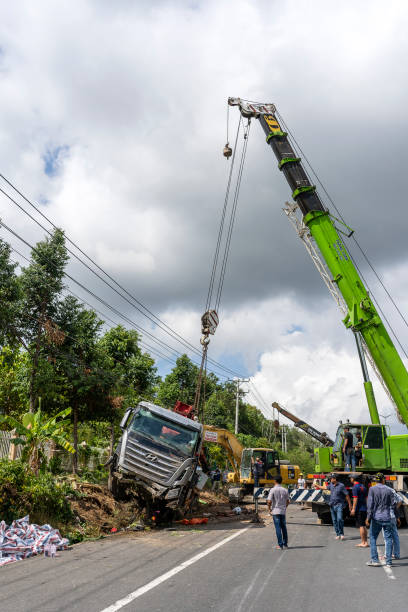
[
  {"x": 362, "y": 315},
  {"x": 322, "y": 437}
]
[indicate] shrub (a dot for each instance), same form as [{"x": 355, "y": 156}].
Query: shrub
[{"x": 42, "y": 496}]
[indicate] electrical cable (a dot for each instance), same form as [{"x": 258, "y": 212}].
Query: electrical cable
[
  {"x": 102, "y": 301},
  {"x": 155, "y": 320}
]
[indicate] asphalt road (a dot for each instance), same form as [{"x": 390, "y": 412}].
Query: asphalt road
[{"x": 228, "y": 567}]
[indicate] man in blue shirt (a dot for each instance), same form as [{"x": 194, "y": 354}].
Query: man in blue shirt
[
  {"x": 359, "y": 494},
  {"x": 339, "y": 498},
  {"x": 380, "y": 503}
]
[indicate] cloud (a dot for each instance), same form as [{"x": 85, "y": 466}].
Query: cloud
[{"x": 126, "y": 105}]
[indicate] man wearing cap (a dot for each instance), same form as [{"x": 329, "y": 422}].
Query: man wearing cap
[
  {"x": 339, "y": 498},
  {"x": 380, "y": 503}
]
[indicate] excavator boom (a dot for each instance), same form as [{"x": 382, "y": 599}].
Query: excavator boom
[{"x": 323, "y": 438}]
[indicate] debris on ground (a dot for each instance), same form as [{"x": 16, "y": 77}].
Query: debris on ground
[
  {"x": 98, "y": 513},
  {"x": 219, "y": 509},
  {"x": 22, "y": 539},
  {"x": 193, "y": 521}
]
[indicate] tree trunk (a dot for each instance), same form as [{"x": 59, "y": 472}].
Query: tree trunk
[
  {"x": 75, "y": 441},
  {"x": 112, "y": 439},
  {"x": 36, "y": 357}
]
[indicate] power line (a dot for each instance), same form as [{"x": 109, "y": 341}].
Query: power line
[
  {"x": 101, "y": 300},
  {"x": 153, "y": 318}
]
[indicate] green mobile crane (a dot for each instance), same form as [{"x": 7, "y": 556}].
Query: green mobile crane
[{"x": 381, "y": 451}]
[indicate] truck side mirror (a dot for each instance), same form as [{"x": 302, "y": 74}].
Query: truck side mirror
[{"x": 125, "y": 419}]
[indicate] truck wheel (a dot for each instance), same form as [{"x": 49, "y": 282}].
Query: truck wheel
[{"x": 117, "y": 489}]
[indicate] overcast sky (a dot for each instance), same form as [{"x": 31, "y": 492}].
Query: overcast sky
[{"x": 113, "y": 120}]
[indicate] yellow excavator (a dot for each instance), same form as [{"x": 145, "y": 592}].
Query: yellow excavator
[{"x": 242, "y": 460}]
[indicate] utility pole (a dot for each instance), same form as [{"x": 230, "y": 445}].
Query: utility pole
[
  {"x": 238, "y": 381},
  {"x": 284, "y": 442}
]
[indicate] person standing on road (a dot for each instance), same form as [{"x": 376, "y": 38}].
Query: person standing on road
[
  {"x": 339, "y": 498},
  {"x": 278, "y": 501},
  {"x": 348, "y": 451},
  {"x": 359, "y": 510},
  {"x": 301, "y": 483},
  {"x": 395, "y": 523},
  {"x": 380, "y": 502}
]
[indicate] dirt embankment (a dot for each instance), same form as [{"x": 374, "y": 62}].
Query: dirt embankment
[{"x": 98, "y": 513}]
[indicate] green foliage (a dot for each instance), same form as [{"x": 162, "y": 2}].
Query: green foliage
[
  {"x": 9, "y": 296},
  {"x": 180, "y": 384},
  {"x": 34, "y": 431},
  {"x": 42, "y": 497}
]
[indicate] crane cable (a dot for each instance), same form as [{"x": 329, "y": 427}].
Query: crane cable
[
  {"x": 232, "y": 217},
  {"x": 285, "y": 126},
  {"x": 221, "y": 228},
  {"x": 197, "y": 407}
]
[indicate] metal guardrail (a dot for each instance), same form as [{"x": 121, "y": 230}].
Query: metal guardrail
[{"x": 298, "y": 496}]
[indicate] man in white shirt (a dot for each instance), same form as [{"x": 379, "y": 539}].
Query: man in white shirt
[
  {"x": 301, "y": 484},
  {"x": 278, "y": 501}
]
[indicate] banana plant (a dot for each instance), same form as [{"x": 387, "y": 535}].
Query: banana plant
[{"x": 35, "y": 430}]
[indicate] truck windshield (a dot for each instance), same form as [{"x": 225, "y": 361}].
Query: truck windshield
[{"x": 164, "y": 432}]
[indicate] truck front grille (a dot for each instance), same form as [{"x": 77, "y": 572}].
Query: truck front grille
[{"x": 148, "y": 462}]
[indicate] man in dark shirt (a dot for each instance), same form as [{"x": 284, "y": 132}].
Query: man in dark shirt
[
  {"x": 359, "y": 510},
  {"x": 380, "y": 503},
  {"x": 358, "y": 449},
  {"x": 348, "y": 450},
  {"x": 339, "y": 498},
  {"x": 258, "y": 470}
]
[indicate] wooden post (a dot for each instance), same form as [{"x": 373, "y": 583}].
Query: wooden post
[{"x": 13, "y": 448}]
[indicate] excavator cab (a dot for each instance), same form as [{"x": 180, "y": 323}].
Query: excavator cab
[{"x": 269, "y": 458}]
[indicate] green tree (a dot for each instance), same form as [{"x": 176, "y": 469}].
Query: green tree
[
  {"x": 9, "y": 297},
  {"x": 83, "y": 365},
  {"x": 180, "y": 384},
  {"x": 40, "y": 284},
  {"x": 134, "y": 371},
  {"x": 35, "y": 430}
]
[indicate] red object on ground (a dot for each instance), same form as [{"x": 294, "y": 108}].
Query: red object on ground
[
  {"x": 114, "y": 530},
  {"x": 194, "y": 521}
]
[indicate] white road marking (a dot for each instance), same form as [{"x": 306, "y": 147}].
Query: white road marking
[
  {"x": 388, "y": 571},
  {"x": 120, "y": 603},
  {"x": 386, "y": 568}
]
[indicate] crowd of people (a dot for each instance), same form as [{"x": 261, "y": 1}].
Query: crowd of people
[{"x": 374, "y": 505}]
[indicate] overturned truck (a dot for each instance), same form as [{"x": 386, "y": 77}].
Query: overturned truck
[{"x": 157, "y": 455}]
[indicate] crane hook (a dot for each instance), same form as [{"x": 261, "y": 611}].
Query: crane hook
[{"x": 227, "y": 151}]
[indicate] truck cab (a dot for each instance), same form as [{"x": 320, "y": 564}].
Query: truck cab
[{"x": 158, "y": 451}]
